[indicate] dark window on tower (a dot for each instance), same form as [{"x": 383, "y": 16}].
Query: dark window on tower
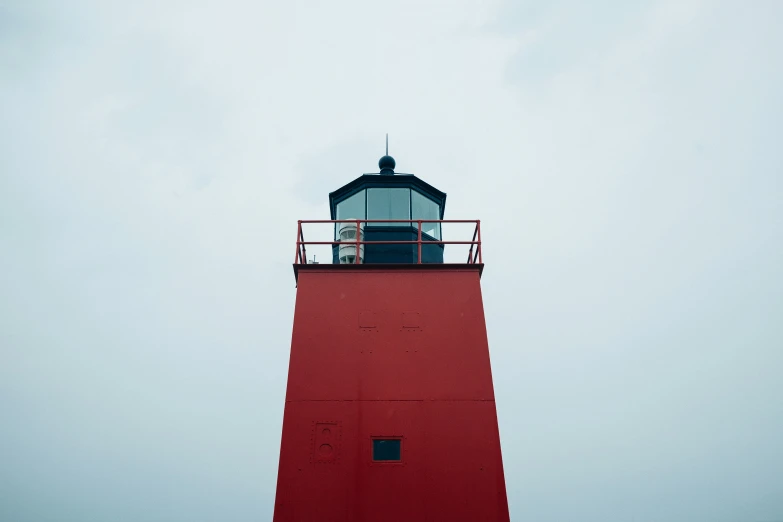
[{"x": 386, "y": 450}]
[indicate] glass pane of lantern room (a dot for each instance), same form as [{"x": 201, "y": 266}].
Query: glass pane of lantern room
[
  {"x": 388, "y": 203},
  {"x": 424, "y": 208},
  {"x": 350, "y": 208}
]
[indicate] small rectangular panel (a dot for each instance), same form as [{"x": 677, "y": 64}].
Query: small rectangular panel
[
  {"x": 367, "y": 319},
  {"x": 411, "y": 320},
  {"x": 326, "y": 442}
]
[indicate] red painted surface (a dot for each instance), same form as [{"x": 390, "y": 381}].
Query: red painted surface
[{"x": 396, "y": 353}]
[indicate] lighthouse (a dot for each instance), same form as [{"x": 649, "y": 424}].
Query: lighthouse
[{"x": 390, "y": 410}]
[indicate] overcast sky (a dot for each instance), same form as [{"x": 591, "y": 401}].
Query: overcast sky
[{"x": 624, "y": 158}]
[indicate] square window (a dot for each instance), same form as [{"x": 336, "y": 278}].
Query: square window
[{"x": 386, "y": 450}]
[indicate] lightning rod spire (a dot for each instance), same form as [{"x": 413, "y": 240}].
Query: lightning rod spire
[{"x": 387, "y": 163}]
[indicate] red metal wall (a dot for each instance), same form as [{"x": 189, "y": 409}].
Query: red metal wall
[{"x": 390, "y": 353}]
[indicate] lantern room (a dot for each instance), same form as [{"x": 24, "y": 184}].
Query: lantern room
[{"x": 403, "y": 199}]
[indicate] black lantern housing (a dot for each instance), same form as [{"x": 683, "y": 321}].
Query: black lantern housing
[{"x": 391, "y": 196}]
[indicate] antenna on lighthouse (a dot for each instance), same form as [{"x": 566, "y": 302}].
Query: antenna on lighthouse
[{"x": 386, "y": 163}]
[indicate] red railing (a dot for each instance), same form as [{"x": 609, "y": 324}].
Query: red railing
[{"x": 474, "y": 254}]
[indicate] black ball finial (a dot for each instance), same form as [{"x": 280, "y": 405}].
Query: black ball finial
[{"x": 387, "y": 164}]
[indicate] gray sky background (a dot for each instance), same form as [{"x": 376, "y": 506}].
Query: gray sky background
[{"x": 624, "y": 158}]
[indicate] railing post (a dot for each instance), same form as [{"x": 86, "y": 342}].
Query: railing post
[
  {"x": 478, "y": 228},
  {"x": 358, "y": 239},
  {"x": 472, "y": 244},
  {"x": 419, "y": 243},
  {"x": 304, "y": 246},
  {"x": 298, "y": 242}
]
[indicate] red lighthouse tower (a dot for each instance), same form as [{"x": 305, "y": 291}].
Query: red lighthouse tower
[{"x": 390, "y": 411}]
